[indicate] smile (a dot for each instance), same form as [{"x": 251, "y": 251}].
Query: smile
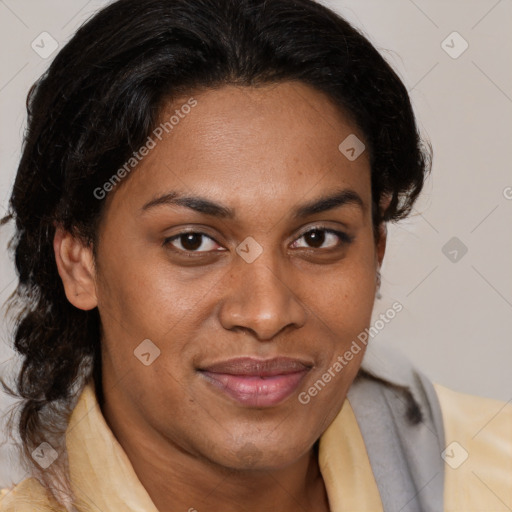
[{"x": 257, "y": 383}]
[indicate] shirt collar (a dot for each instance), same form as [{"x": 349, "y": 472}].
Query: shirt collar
[{"x": 102, "y": 477}]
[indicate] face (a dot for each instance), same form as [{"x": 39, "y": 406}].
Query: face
[{"x": 221, "y": 250}]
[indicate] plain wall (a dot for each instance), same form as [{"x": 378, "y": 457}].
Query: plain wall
[{"x": 457, "y": 308}]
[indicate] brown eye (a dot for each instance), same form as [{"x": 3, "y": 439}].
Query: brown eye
[
  {"x": 192, "y": 242},
  {"x": 315, "y": 238},
  {"x": 322, "y": 238}
]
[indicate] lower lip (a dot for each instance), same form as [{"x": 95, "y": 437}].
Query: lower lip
[{"x": 255, "y": 391}]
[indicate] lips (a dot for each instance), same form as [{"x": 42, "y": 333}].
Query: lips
[
  {"x": 258, "y": 367},
  {"x": 256, "y": 382}
]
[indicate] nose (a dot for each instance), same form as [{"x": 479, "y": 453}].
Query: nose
[{"x": 260, "y": 299}]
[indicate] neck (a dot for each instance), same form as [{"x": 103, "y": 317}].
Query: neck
[{"x": 178, "y": 480}]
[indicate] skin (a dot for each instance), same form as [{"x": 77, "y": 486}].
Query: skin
[{"x": 263, "y": 152}]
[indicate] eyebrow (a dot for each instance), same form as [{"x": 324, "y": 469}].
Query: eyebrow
[{"x": 205, "y": 206}]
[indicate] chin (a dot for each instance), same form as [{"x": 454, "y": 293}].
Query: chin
[{"x": 252, "y": 455}]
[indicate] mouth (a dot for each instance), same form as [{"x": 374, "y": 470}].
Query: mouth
[{"x": 256, "y": 382}]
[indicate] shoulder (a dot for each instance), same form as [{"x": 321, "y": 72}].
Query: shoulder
[
  {"x": 27, "y": 496},
  {"x": 478, "y": 453},
  {"x": 475, "y": 417},
  {"x": 467, "y": 438}
]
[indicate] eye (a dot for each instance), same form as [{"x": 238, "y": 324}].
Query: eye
[
  {"x": 192, "y": 242},
  {"x": 322, "y": 238}
]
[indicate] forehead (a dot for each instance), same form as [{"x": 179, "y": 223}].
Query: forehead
[{"x": 238, "y": 144}]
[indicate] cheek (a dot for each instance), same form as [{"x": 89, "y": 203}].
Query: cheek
[
  {"x": 343, "y": 313},
  {"x": 147, "y": 295},
  {"x": 345, "y": 297},
  {"x": 343, "y": 308},
  {"x": 145, "y": 300}
]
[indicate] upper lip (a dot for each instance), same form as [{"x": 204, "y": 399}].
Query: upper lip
[{"x": 250, "y": 366}]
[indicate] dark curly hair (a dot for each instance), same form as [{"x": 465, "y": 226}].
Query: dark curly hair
[{"x": 99, "y": 101}]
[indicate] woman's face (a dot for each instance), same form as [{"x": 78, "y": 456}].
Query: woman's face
[{"x": 258, "y": 272}]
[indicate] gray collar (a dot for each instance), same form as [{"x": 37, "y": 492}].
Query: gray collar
[{"x": 399, "y": 416}]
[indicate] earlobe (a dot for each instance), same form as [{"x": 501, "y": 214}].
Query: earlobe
[{"x": 75, "y": 265}]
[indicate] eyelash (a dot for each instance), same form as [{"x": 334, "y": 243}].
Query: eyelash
[{"x": 345, "y": 239}]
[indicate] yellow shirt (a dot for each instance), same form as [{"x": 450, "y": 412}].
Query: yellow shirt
[{"x": 103, "y": 479}]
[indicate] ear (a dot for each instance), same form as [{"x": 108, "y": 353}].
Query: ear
[
  {"x": 381, "y": 244},
  {"x": 383, "y": 231},
  {"x": 76, "y": 269}
]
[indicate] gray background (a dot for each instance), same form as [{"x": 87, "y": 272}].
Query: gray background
[{"x": 457, "y": 314}]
